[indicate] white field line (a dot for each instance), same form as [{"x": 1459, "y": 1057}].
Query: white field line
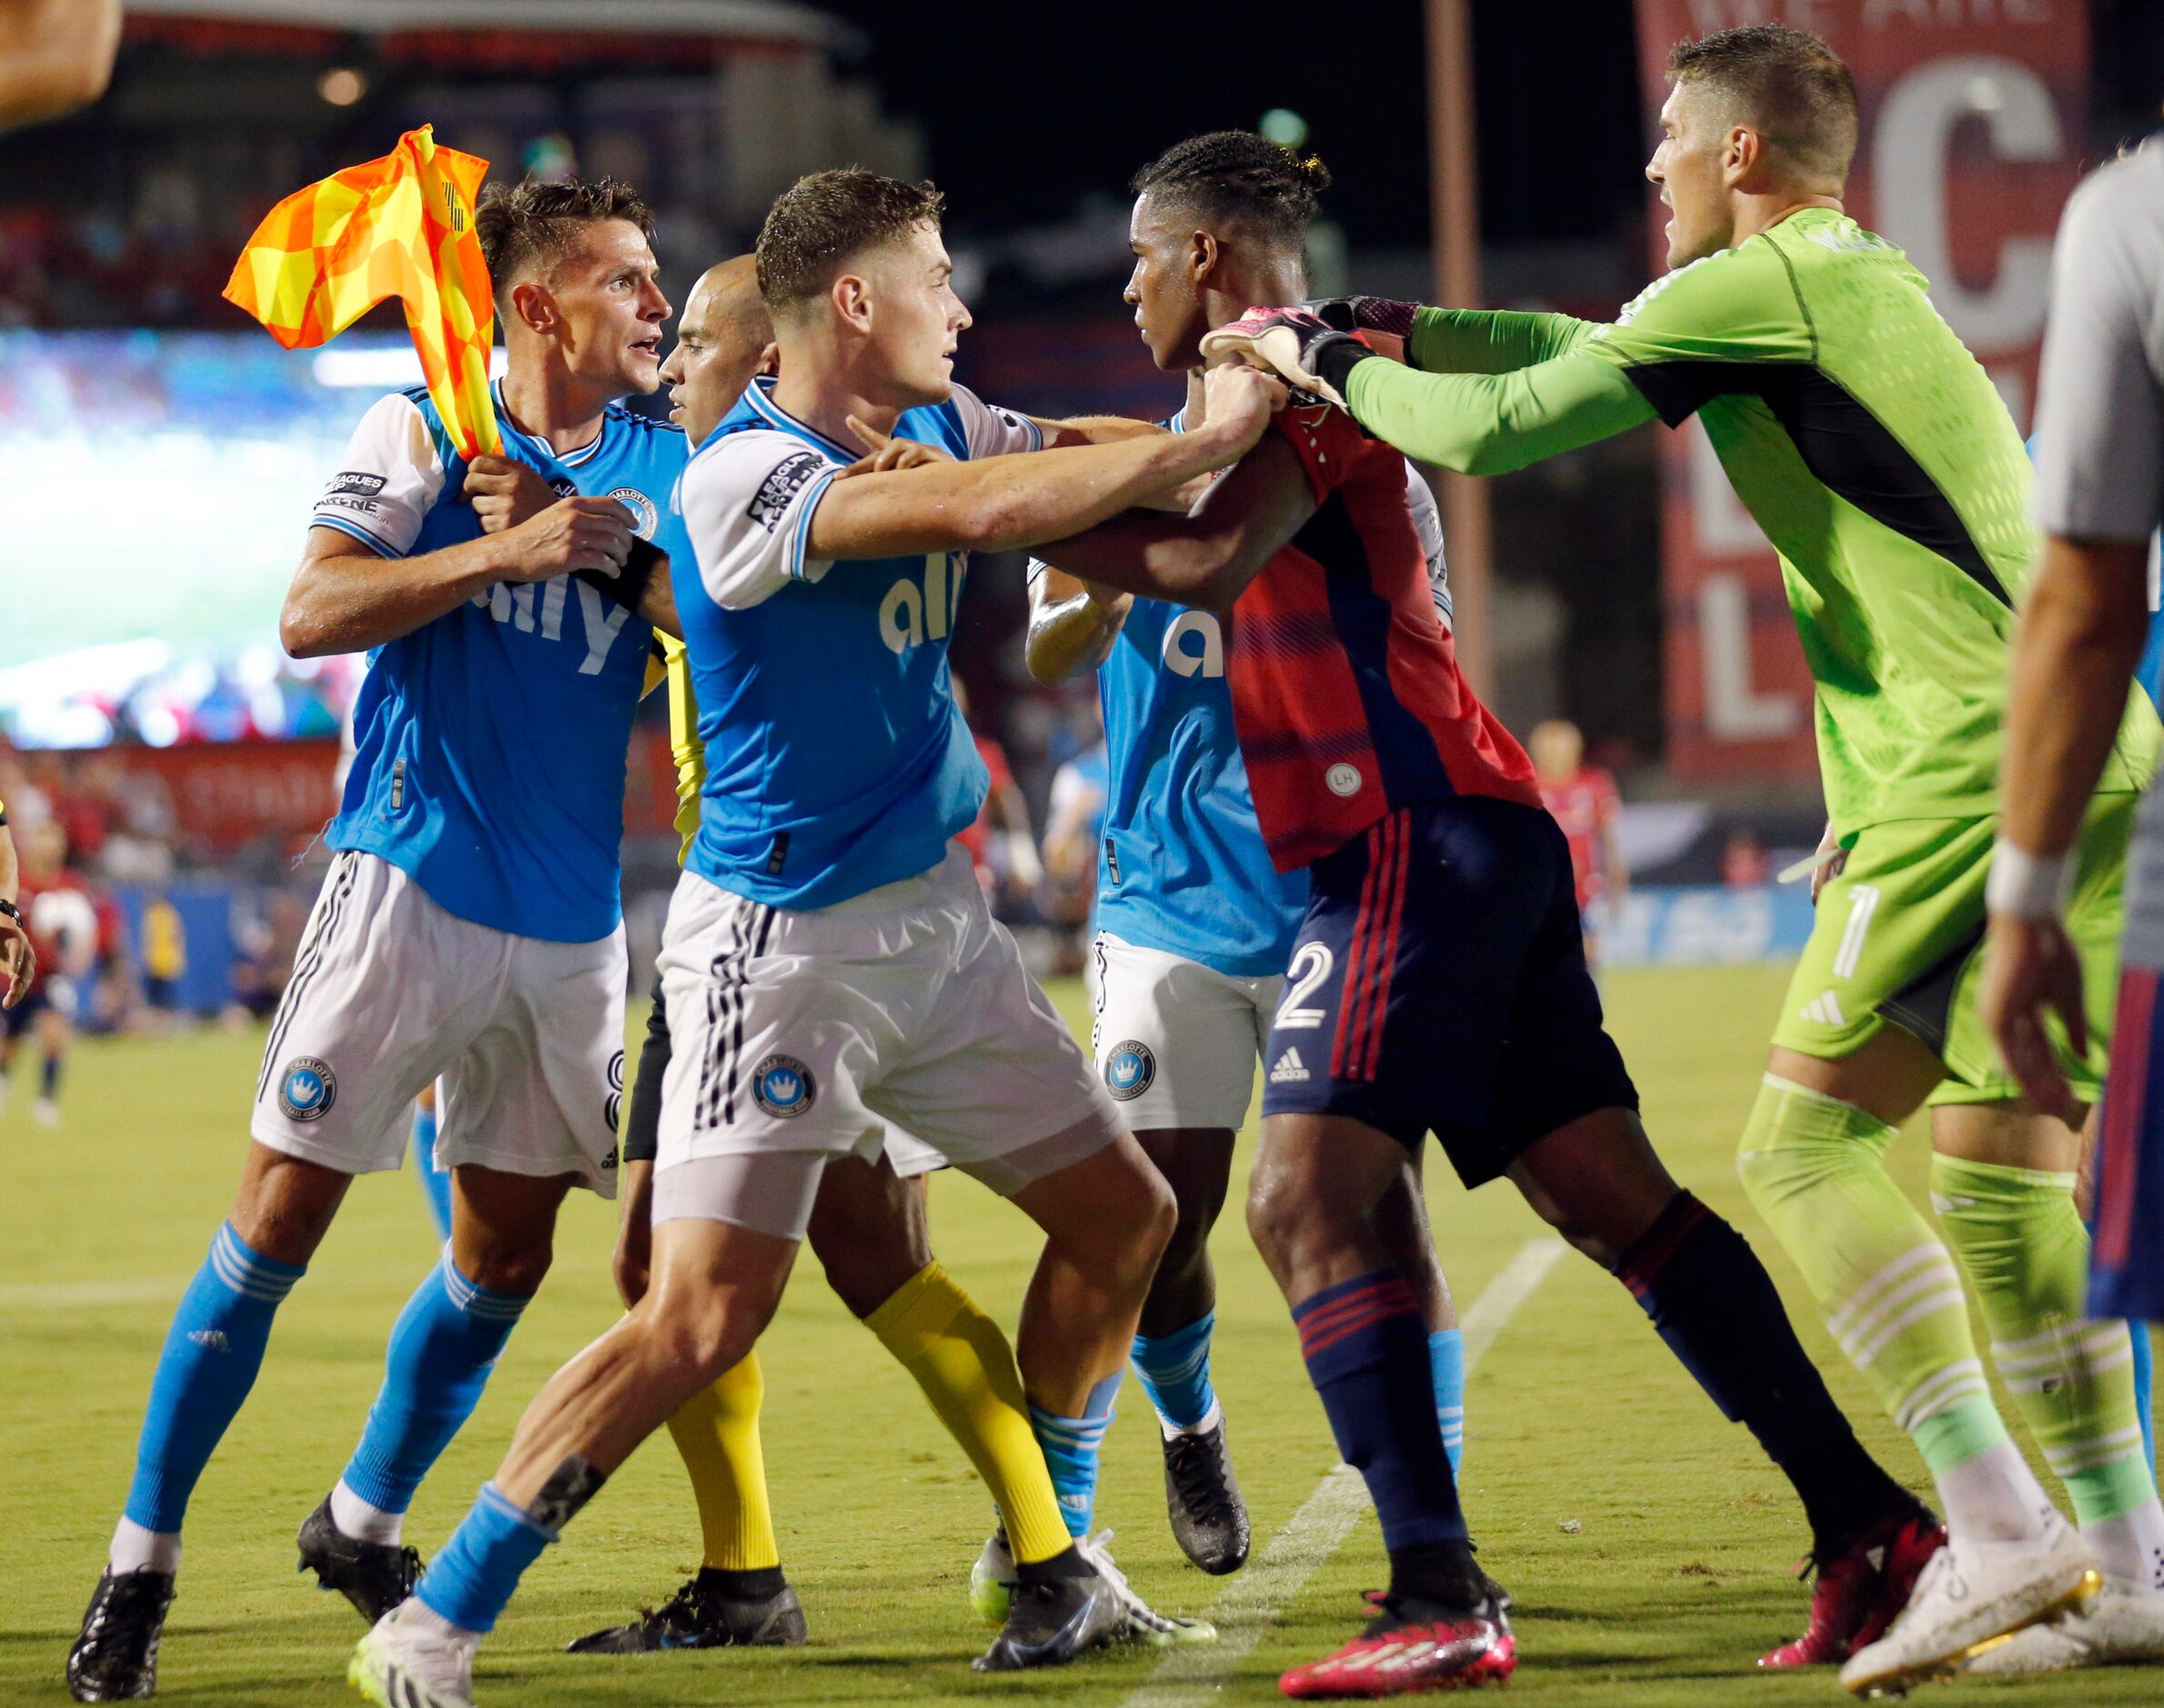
[
  {"x": 1195, "y": 1675},
  {"x": 83, "y": 1295}
]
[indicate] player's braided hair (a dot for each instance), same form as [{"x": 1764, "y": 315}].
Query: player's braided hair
[
  {"x": 528, "y": 229},
  {"x": 1787, "y": 84},
  {"x": 1240, "y": 177},
  {"x": 823, "y": 219}
]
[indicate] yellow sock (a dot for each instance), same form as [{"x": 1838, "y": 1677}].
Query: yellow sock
[
  {"x": 964, "y": 1364},
  {"x": 717, "y": 1431}
]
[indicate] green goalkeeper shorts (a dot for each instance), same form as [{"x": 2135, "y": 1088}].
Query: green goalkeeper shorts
[{"x": 1900, "y": 940}]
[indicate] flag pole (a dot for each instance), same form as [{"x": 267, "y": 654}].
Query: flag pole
[{"x": 1455, "y": 211}]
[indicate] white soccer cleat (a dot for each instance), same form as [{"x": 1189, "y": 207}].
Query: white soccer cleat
[
  {"x": 46, "y": 1112},
  {"x": 414, "y": 1661},
  {"x": 1971, "y": 1597},
  {"x": 2118, "y": 1628},
  {"x": 1145, "y": 1624}
]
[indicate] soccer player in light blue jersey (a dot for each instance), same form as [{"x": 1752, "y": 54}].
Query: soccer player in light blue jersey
[
  {"x": 1194, "y": 926},
  {"x": 470, "y": 930},
  {"x": 829, "y": 964}
]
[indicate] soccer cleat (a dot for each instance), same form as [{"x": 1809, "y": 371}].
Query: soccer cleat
[
  {"x": 1413, "y": 1645},
  {"x": 2118, "y": 1628},
  {"x": 992, "y": 1578},
  {"x": 398, "y": 1665},
  {"x": 704, "y": 1619},
  {"x": 115, "y": 1655},
  {"x": 1049, "y": 1623},
  {"x": 1203, "y": 1497},
  {"x": 1971, "y": 1597},
  {"x": 1145, "y": 1624},
  {"x": 374, "y": 1576},
  {"x": 46, "y": 1112},
  {"x": 1861, "y": 1589}
]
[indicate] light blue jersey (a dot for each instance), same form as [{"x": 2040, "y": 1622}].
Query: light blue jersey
[
  {"x": 490, "y": 744},
  {"x": 1182, "y": 867},
  {"x": 836, "y": 759}
]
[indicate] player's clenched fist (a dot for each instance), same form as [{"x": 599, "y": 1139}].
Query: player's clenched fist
[
  {"x": 505, "y": 493},
  {"x": 1240, "y": 400},
  {"x": 572, "y": 534}
]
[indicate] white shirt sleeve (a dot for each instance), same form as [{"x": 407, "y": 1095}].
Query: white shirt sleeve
[
  {"x": 992, "y": 432},
  {"x": 2099, "y": 420},
  {"x": 1427, "y": 522},
  {"x": 389, "y": 480},
  {"x": 747, "y": 502}
]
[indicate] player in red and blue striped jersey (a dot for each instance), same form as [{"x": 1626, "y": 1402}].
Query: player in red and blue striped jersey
[{"x": 1438, "y": 983}]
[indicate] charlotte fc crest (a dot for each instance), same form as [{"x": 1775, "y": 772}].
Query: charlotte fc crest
[{"x": 783, "y": 1086}]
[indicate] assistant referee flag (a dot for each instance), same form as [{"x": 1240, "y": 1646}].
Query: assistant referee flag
[{"x": 400, "y": 226}]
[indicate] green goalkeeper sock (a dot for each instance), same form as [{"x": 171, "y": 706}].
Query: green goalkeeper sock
[
  {"x": 2022, "y": 1244},
  {"x": 1816, "y": 1167}
]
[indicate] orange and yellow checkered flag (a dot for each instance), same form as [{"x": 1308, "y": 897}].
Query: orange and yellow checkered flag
[{"x": 399, "y": 227}]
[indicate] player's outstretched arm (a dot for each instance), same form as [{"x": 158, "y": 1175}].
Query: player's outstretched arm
[
  {"x": 1489, "y": 424},
  {"x": 1006, "y": 503},
  {"x": 1072, "y": 625},
  {"x": 347, "y": 598},
  {"x": 1490, "y": 340},
  {"x": 54, "y": 57},
  {"x": 1207, "y": 558}
]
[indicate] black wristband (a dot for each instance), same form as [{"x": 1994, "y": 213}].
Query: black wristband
[
  {"x": 1332, "y": 359},
  {"x": 12, "y": 912},
  {"x": 627, "y": 586}
]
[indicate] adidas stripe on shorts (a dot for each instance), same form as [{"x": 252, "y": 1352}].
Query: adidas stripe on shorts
[{"x": 390, "y": 992}]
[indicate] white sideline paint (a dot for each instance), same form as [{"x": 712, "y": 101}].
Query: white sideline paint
[
  {"x": 1247, "y": 1606},
  {"x": 82, "y": 1295}
]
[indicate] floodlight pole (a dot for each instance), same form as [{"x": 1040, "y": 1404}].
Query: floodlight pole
[{"x": 1453, "y": 171}]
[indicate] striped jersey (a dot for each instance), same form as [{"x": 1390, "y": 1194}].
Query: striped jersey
[{"x": 1346, "y": 685}]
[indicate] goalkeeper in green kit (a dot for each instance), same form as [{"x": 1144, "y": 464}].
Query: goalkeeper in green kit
[{"x": 1876, "y": 454}]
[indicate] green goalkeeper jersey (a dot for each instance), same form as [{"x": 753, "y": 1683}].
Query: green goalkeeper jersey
[{"x": 1868, "y": 444}]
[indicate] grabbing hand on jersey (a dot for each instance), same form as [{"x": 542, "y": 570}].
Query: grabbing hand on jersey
[
  {"x": 888, "y": 453},
  {"x": 505, "y": 492},
  {"x": 574, "y": 534},
  {"x": 1239, "y": 401}
]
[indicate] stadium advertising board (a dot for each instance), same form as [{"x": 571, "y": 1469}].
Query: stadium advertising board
[{"x": 1974, "y": 128}]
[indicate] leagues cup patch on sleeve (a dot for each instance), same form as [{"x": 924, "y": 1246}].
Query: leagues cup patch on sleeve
[{"x": 786, "y": 480}]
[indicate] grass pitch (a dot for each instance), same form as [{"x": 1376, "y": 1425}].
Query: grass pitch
[{"x": 1650, "y": 1548}]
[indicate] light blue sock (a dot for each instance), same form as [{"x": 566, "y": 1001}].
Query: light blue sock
[
  {"x": 1070, "y": 1447},
  {"x": 447, "y": 1340},
  {"x": 1175, "y": 1369},
  {"x": 436, "y": 1183},
  {"x": 1446, "y": 1361},
  {"x": 213, "y": 1351},
  {"x": 477, "y": 1572},
  {"x": 2144, "y": 1395}
]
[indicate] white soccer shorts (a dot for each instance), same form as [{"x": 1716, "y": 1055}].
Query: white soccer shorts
[
  {"x": 1177, "y": 1042},
  {"x": 390, "y": 991},
  {"x": 821, "y": 1030}
]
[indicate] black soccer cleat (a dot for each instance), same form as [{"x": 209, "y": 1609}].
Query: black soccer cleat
[
  {"x": 116, "y": 1656},
  {"x": 705, "y": 1619},
  {"x": 374, "y": 1576},
  {"x": 1201, "y": 1497},
  {"x": 1049, "y": 1623}
]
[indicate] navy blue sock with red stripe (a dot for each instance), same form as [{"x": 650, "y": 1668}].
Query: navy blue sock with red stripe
[
  {"x": 1365, "y": 1342},
  {"x": 1712, "y": 1302}
]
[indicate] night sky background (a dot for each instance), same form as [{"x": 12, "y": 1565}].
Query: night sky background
[{"x": 1028, "y": 106}]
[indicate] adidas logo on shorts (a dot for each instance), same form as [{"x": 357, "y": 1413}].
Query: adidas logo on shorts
[{"x": 1288, "y": 1067}]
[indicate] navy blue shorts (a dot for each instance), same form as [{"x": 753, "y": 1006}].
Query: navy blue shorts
[{"x": 1439, "y": 985}]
